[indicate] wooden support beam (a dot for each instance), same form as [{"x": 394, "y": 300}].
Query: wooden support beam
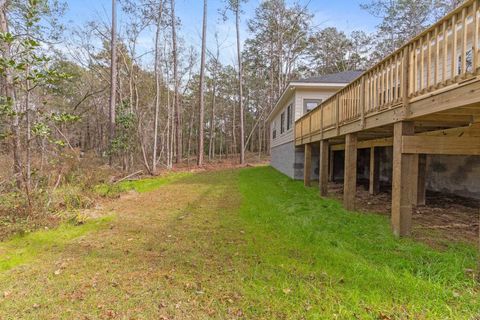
[
  {"x": 366, "y": 144},
  {"x": 440, "y": 145},
  {"x": 350, "y": 181},
  {"x": 331, "y": 166},
  {"x": 323, "y": 168},
  {"x": 307, "y": 168},
  {"x": 374, "y": 183},
  {"x": 403, "y": 175},
  {"x": 421, "y": 185},
  {"x": 414, "y": 180}
]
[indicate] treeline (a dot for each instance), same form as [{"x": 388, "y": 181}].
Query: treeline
[{"x": 63, "y": 96}]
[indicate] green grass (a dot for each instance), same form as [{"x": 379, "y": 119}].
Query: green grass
[
  {"x": 233, "y": 244},
  {"x": 141, "y": 186},
  {"x": 22, "y": 249},
  {"x": 316, "y": 258}
]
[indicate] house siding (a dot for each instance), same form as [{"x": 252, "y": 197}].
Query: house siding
[{"x": 285, "y": 157}]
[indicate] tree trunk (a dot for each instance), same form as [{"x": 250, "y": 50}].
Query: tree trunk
[
  {"x": 28, "y": 136},
  {"x": 9, "y": 92},
  {"x": 211, "y": 144},
  {"x": 113, "y": 77},
  {"x": 178, "y": 112},
  {"x": 158, "y": 87},
  {"x": 240, "y": 86},
  {"x": 200, "y": 150}
]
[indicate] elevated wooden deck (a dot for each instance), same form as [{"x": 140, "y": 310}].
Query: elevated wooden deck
[
  {"x": 433, "y": 80},
  {"x": 422, "y": 99}
]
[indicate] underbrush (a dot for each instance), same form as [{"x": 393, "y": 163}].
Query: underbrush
[
  {"x": 64, "y": 193},
  {"x": 59, "y": 194}
]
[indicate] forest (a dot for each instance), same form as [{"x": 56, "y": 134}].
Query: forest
[{"x": 79, "y": 106}]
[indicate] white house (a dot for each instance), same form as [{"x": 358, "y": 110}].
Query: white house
[{"x": 298, "y": 98}]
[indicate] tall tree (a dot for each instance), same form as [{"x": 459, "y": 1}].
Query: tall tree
[
  {"x": 235, "y": 7},
  {"x": 9, "y": 94},
  {"x": 158, "y": 83},
  {"x": 113, "y": 75},
  {"x": 401, "y": 20},
  {"x": 176, "y": 95},
  {"x": 331, "y": 51},
  {"x": 201, "y": 118}
]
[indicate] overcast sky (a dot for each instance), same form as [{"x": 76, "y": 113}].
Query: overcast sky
[{"x": 343, "y": 14}]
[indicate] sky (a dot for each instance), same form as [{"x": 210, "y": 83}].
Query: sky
[{"x": 346, "y": 15}]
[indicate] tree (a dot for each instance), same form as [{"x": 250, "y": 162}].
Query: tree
[
  {"x": 176, "y": 97},
  {"x": 113, "y": 74},
  {"x": 235, "y": 7},
  {"x": 402, "y": 20},
  {"x": 332, "y": 51},
  {"x": 279, "y": 41},
  {"x": 27, "y": 72},
  {"x": 202, "y": 88},
  {"x": 9, "y": 102},
  {"x": 158, "y": 82}
]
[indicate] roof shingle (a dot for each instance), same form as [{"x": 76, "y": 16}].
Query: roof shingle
[{"x": 341, "y": 77}]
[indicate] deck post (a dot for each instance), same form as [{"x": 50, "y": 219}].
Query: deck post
[
  {"x": 323, "y": 168},
  {"x": 374, "y": 183},
  {"x": 350, "y": 181},
  {"x": 421, "y": 186},
  {"x": 331, "y": 167},
  {"x": 307, "y": 168},
  {"x": 404, "y": 172}
]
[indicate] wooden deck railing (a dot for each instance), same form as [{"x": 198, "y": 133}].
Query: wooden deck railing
[{"x": 444, "y": 54}]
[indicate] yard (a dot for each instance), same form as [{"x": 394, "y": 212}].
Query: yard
[{"x": 232, "y": 244}]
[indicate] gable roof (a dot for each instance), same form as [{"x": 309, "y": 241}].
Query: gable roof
[{"x": 340, "y": 77}]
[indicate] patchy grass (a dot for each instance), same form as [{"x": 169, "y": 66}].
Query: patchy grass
[{"x": 237, "y": 244}]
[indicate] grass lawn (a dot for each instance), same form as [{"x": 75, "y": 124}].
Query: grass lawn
[{"x": 233, "y": 244}]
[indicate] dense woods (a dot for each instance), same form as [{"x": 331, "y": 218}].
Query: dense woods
[{"x": 79, "y": 98}]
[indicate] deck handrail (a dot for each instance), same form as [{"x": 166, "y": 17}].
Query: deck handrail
[{"x": 443, "y": 54}]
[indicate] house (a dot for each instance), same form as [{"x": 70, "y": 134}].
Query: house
[{"x": 299, "y": 98}]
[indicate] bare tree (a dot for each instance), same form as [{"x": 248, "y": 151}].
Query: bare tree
[
  {"x": 158, "y": 84},
  {"x": 240, "y": 84},
  {"x": 113, "y": 75},
  {"x": 215, "y": 62},
  {"x": 235, "y": 7},
  {"x": 202, "y": 88},
  {"x": 176, "y": 98}
]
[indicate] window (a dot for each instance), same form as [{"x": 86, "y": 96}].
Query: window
[
  {"x": 274, "y": 130},
  {"x": 289, "y": 117},
  {"x": 310, "y": 104},
  {"x": 282, "y": 123}
]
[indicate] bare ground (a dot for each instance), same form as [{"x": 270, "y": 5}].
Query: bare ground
[{"x": 445, "y": 217}]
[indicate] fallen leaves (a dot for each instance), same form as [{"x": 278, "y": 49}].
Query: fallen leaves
[{"x": 287, "y": 290}]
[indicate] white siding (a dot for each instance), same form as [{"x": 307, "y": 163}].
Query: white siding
[
  {"x": 302, "y": 94},
  {"x": 287, "y": 136},
  {"x": 298, "y": 97}
]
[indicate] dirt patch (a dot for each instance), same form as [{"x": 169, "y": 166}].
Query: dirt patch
[{"x": 446, "y": 217}]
